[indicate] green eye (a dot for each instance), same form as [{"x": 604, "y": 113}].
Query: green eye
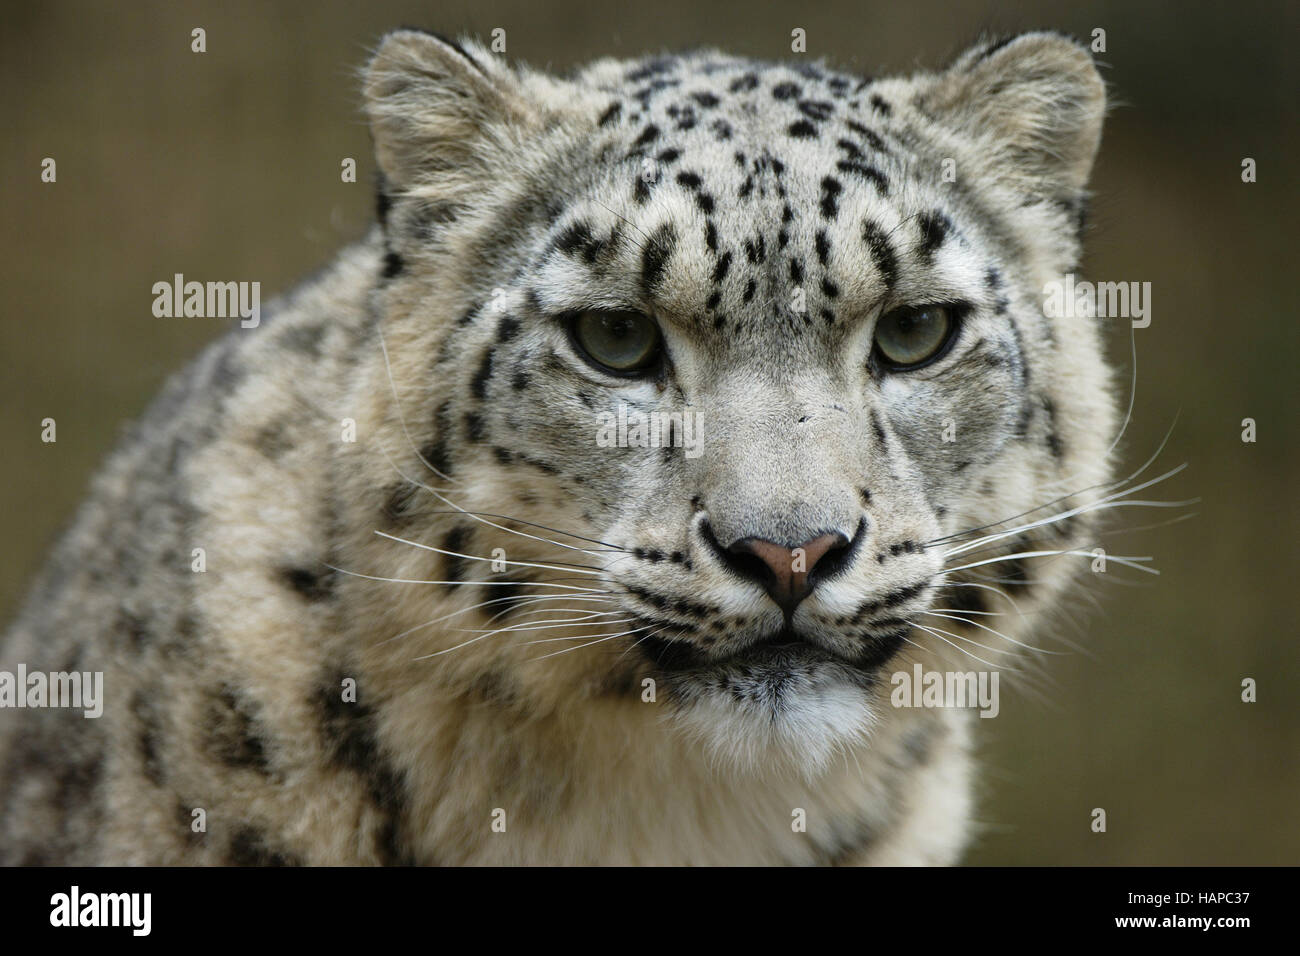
[
  {"x": 911, "y": 337},
  {"x": 622, "y": 343}
]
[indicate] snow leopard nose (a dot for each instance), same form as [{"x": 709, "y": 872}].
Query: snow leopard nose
[{"x": 787, "y": 574}]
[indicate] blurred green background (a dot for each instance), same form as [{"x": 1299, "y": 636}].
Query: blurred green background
[{"x": 226, "y": 165}]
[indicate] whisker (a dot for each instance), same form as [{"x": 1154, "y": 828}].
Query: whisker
[
  {"x": 1125, "y": 560},
  {"x": 1149, "y": 527},
  {"x": 1112, "y": 500},
  {"x": 600, "y": 640},
  {"x": 472, "y": 640},
  {"x": 549, "y": 623},
  {"x": 936, "y": 633},
  {"x": 986, "y": 587},
  {"x": 593, "y": 570},
  {"x": 539, "y": 584},
  {"x": 962, "y": 620},
  {"x": 479, "y": 516},
  {"x": 397, "y": 405},
  {"x": 531, "y": 524},
  {"x": 578, "y": 637},
  {"x": 513, "y": 600},
  {"x": 1105, "y": 484}
]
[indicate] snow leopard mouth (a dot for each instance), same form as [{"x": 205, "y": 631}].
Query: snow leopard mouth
[{"x": 781, "y": 653}]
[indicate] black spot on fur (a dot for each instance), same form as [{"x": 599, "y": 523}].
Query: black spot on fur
[
  {"x": 131, "y": 630},
  {"x": 823, "y": 247},
  {"x": 864, "y": 171},
  {"x": 879, "y": 104},
  {"x": 457, "y": 539},
  {"x": 720, "y": 270},
  {"x": 231, "y": 733},
  {"x": 654, "y": 67},
  {"x": 399, "y": 502},
  {"x": 878, "y": 428},
  {"x": 579, "y": 240},
  {"x": 831, "y": 190},
  {"x": 610, "y": 114},
  {"x": 648, "y": 135},
  {"x": 818, "y": 110},
  {"x": 475, "y": 427},
  {"x": 273, "y": 440},
  {"x": 507, "y": 329},
  {"x": 348, "y": 738},
  {"x": 869, "y": 136},
  {"x": 802, "y": 129},
  {"x": 966, "y": 599},
  {"x": 654, "y": 258},
  {"x": 250, "y": 847},
  {"x": 149, "y": 734},
  {"x": 312, "y": 585},
  {"x": 935, "y": 227},
  {"x": 393, "y": 265},
  {"x": 1054, "y": 443},
  {"x": 880, "y": 648},
  {"x": 882, "y": 253},
  {"x": 668, "y": 655},
  {"x": 479, "y": 383}
]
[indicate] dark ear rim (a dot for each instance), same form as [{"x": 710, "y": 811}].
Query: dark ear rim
[
  {"x": 433, "y": 105},
  {"x": 990, "y": 45},
  {"x": 1037, "y": 98},
  {"x": 442, "y": 38}
]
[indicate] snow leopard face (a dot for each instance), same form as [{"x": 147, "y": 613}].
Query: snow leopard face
[{"x": 732, "y": 355}]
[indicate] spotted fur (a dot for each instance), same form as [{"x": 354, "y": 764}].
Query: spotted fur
[{"x": 714, "y": 193}]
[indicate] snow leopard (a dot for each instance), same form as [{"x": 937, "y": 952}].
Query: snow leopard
[{"x": 587, "y": 510}]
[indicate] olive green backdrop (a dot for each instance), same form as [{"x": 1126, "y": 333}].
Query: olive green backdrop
[{"x": 226, "y": 165}]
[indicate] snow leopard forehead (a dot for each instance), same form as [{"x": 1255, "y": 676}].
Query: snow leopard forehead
[{"x": 779, "y": 178}]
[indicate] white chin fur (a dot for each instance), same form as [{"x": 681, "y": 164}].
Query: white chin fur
[{"x": 819, "y": 717}]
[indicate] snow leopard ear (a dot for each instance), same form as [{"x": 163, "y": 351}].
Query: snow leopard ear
[
  {"x": 439, "y": 110},
  {"x": 1035, "y": 104}
]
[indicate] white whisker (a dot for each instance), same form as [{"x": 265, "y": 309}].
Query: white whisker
[{"x": 571, "y": 568}]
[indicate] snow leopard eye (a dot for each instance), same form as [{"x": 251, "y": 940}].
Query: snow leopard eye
[
  {"x": 620, "y": 343},
  {"x": 914, "y": 336}
]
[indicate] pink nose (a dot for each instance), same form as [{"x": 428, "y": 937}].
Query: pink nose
[{"x": 782, "y": 571}]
